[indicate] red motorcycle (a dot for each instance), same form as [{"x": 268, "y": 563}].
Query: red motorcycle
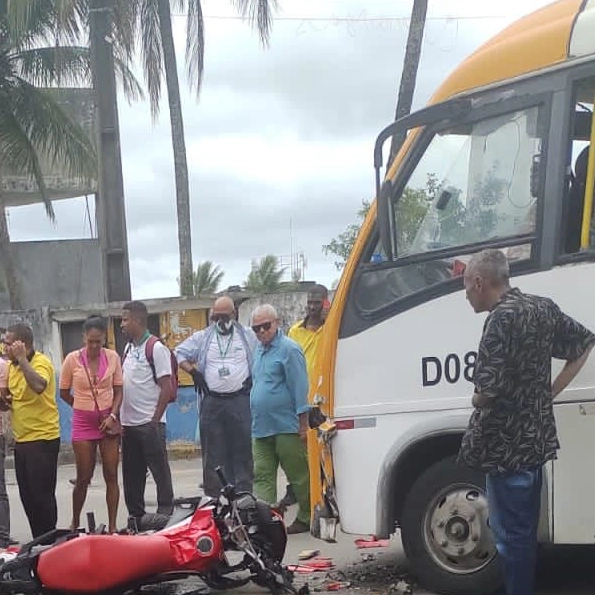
[{"x": 197, "y": 540}]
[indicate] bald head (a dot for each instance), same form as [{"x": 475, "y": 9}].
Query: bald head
[
  {"x": 223, "y": 314},
  {"x": 224, "y": 305}
]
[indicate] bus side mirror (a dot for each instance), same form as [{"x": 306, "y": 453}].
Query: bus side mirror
[{"x": 383, "y": 216}]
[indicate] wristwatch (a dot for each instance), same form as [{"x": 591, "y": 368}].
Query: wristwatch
[{"x": 113, "y": 416}]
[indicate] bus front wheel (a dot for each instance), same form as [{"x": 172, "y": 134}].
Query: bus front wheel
[{"x": 445, "y": 532}]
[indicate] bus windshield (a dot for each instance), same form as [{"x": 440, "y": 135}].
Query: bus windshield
[{"x": 472, "y": 184}]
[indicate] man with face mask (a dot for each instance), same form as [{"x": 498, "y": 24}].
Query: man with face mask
[{"x": 219, "y": 358}]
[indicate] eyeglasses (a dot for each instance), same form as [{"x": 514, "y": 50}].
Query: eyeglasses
[
  {"x": 265, "y": 326},
  {"x": 218, "y": 317}
]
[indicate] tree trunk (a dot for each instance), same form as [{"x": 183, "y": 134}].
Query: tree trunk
[
  {"x": 10, "y": 275},
  {"x": 410, "y": 66},
  {"x": 179, "y": 149}
]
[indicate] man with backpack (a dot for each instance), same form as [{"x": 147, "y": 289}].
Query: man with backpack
[
  {"x": 219, "y": 358},
  {"x": 149, "y": 385}
]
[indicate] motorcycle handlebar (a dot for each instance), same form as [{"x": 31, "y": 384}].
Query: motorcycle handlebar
[
  {"x": 226, "y": 488},
  {"x": 221, "y": 475}
]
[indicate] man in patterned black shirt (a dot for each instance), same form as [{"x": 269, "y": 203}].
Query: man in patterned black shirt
[{"x": 512, "y": 431}]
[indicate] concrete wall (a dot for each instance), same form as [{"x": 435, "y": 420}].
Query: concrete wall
[
  {"x": 39, "y": 320},
  {"x": 57, "y": 273},
  {"x": 290, "y": 306}
]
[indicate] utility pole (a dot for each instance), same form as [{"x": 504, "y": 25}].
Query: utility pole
[
  {"x": 111, "y": 214},
  {"x": 409, "y": 73}
]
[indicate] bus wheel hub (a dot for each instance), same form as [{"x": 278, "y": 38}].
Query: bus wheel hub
[{"x": 456, "y": 530}]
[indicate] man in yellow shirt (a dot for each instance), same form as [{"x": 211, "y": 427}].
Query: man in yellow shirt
[
  {"x": 30, "y": 395},
  {"x": 306, "y": 333}
]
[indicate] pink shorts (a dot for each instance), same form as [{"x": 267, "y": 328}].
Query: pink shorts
[{"x": 85, "y": 424}]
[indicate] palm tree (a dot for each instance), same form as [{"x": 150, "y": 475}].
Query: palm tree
[
  {"x": 159, "y": 58},
  {"x": 265, "y": 276},
  {"x": 207, "y": 278},
  {"x": 32, "y": 124},
  {"x": 152, "y": 20}
]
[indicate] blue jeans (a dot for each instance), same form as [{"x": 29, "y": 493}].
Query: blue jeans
[{"x": 514, "y": 502}]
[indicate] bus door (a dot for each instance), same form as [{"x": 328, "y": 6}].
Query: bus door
[{"x": 573, "y": 472}]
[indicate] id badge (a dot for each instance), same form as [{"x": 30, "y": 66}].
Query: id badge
[{"x": 223, "y": 371}]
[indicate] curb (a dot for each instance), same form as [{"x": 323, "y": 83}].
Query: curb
[{"x": 176, "y": 451}]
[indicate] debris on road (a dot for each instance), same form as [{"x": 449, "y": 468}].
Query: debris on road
[
  {"x": 312, "y": 565},
  {"x": 300, "y": 569},
  {"x": 401, "y": 588},
  {"x": 373, "y": 541},
  {"x": 307, "y": 554}
]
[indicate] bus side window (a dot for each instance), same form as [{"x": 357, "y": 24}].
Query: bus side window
[
  {"x": 576, "y": 201},
  {"x": 578, "y": 155},
  {"x": 475, "y": 183}
]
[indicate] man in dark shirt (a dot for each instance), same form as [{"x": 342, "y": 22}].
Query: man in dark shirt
[{"x": 512, "y": 431}]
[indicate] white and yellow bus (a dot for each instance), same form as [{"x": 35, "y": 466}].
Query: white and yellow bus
[{"x": 499, "y": 158}]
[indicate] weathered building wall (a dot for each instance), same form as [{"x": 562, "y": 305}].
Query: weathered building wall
[
  {"x": 57, "y": 273},
  {"x": 290, "y": 306}
]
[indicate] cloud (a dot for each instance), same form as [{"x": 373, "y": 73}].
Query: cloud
[{"x": 281, "y": 136}]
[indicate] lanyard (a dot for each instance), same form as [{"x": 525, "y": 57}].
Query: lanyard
[{"x": 222, "y": 353}]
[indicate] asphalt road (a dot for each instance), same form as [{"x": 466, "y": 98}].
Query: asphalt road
[{"x": 562, "y": 571}]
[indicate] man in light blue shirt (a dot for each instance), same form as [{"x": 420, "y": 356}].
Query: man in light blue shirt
[
  {"x": 279, "y": 406},
  {"x": 219, "y": 359}
]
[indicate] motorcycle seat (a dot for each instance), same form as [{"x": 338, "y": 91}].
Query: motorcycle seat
[{"x": 103, "y": 562}]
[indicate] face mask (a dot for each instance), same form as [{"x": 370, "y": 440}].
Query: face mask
[{"x": 224, "y": 327}]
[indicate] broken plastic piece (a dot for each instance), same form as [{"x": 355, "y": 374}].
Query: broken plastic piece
[
  {"x": 320, "y": 563},
  {"x": 307, "y": 554},
  {"x": 301, "y": 569},
  {"x": 372, "y": 542}
]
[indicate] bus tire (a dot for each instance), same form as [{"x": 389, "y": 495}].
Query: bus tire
[{"x": 445, "y": 533}]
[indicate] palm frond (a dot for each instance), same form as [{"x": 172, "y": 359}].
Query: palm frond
[
  {"x": 47, "y": 21},
  {"x": 125, "y": 18},
  {"x": 50, "y": 131},
  {"x": 133, "y": 90},
  {"x": 195, "y": 44},
  {"x": 60, "y": 65},
  {"x": 207, "y": 278},
  {"x": 18, "y": 151},
  {"x": 260, "y": 14},
  {"x": 152, "y": 52}
]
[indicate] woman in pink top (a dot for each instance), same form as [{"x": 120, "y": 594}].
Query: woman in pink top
[{"x": 91, "y": 382}]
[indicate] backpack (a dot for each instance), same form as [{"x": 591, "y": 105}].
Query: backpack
[{"x": 149, "y": 347}]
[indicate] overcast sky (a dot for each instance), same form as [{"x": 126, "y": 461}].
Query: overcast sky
[{"x": 281, "y": 138}]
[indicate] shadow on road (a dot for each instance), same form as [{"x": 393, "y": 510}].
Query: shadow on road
[{"x": 566, "y": 570}]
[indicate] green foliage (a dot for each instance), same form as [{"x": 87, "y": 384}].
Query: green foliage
[
  {"x": 206, "y": 278},
  {"x": 265, "y": 276},
  {"x": 342, "y": 245},
  {"x": 412, "y": 208}
]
